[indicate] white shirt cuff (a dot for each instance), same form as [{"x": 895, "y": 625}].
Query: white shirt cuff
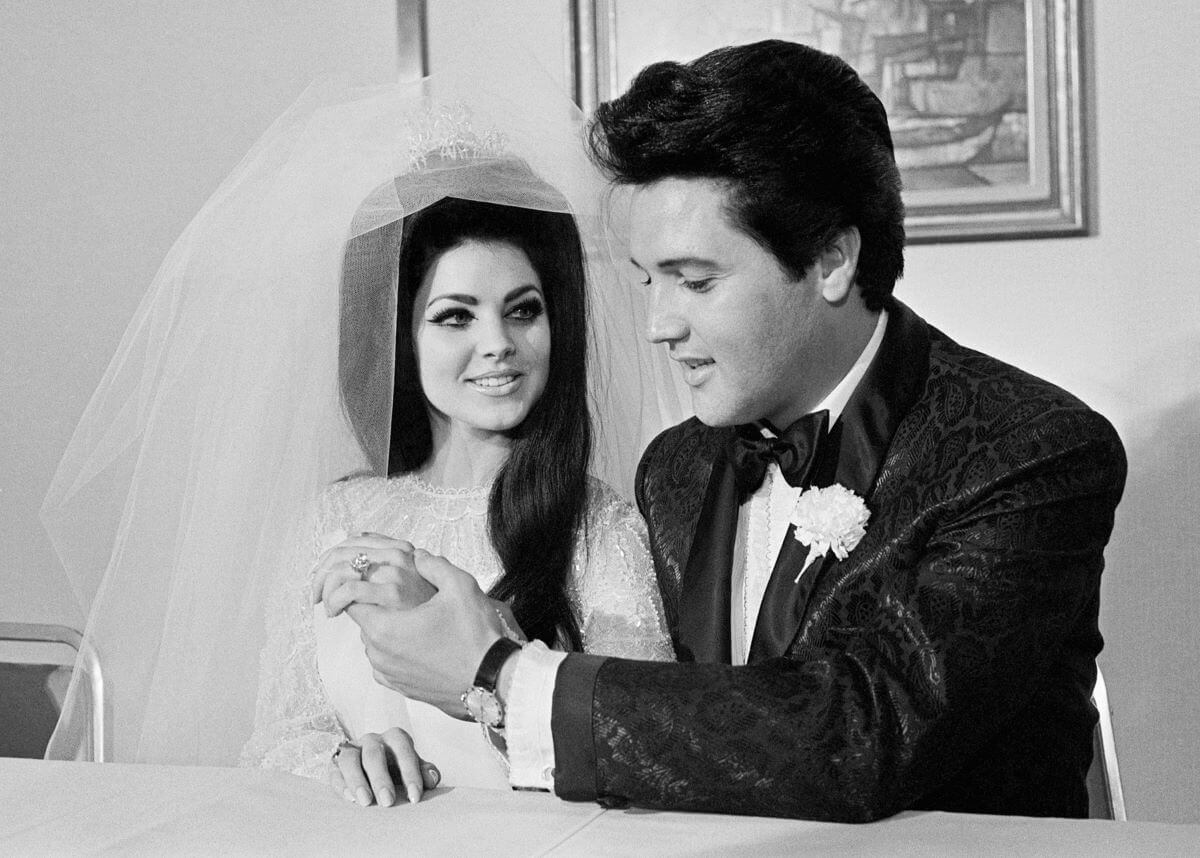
[{"x": 527, "y": 717}]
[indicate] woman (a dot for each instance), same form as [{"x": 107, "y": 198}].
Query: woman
[
  {"x": 187, "y": 490},
  {"x": 489, "y": 441}
]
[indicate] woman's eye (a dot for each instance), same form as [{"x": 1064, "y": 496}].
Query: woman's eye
[
  {"x": 697, "y": 285},
  {"x": 527, "y": 311},
  {"x": 457, "y": 318}
]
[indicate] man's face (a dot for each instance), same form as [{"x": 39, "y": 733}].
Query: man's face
[{"x": 742, "y": 330}]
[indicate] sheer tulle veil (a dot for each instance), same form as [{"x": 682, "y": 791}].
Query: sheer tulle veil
[{"x": 220, "y": 418}]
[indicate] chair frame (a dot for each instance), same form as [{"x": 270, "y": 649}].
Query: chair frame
[
  {"x": 1112, "y": 773},
  {"x": 88, "y": 661}
]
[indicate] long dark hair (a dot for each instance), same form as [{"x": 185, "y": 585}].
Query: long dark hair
[{"x": 538, "y": 502}]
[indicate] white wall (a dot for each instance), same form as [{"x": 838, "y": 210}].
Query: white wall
[
  {"x": 1115, "y": 318},
  {"x": 118, "y": 119}
]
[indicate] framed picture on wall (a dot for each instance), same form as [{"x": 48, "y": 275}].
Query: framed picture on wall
[{"x": 984, "y": 97}]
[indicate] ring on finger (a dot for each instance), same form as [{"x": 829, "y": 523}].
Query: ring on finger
[
  {"x": 361, "y": 564},
  {"x": 337, "y": 752}
]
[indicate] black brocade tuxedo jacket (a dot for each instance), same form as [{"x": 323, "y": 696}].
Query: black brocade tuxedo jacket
[{"x": 946, "y": 664}]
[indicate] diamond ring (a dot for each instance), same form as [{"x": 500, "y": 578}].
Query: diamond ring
[{"x": 361, "y": 564}]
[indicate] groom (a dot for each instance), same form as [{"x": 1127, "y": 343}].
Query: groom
[{"x": 879, "y": 551}]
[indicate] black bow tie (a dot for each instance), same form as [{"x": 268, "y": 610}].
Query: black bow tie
[{"x": 795, "y": 450}]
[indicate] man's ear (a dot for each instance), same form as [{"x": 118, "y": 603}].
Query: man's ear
[{"x": 837, "y": 265}]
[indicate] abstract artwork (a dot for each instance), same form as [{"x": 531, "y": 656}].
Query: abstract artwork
[{"x": 984, "y": 96}]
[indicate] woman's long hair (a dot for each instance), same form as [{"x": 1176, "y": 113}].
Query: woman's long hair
[{"x": 539, "y": 499}]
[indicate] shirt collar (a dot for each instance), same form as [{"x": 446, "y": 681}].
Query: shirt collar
[{"x": 835, "y": 401}]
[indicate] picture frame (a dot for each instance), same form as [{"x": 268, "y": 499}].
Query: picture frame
[
  {"x": 412, "y": 56},
  {"x": 986, "y": 98}
]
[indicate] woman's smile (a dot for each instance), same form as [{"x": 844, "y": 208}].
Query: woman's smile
[{"x": 497, "y": 383}]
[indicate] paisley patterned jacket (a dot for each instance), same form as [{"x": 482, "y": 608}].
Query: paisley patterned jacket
[{"x": 947, "y": 663}]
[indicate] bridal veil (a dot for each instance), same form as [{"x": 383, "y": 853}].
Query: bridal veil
[{"x": 220, "y": 417}]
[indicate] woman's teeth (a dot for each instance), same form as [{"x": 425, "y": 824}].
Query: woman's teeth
[{"x": 495, "y": 380}]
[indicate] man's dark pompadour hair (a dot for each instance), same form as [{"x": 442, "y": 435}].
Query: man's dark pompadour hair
[{"x": 800, "y": 140}]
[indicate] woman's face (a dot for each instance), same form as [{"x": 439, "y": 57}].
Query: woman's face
[{"x": 482, "y": 338}]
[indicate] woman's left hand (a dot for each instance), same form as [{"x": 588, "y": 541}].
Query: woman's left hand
[
  {"x": 391, "y": 579},
  {"x": 372, "y": 770}
]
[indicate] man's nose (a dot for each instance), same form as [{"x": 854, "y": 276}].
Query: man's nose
[{"x": 664, "y": 324}]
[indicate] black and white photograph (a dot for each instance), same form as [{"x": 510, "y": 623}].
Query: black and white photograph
[{"x": 599, "y": 427}]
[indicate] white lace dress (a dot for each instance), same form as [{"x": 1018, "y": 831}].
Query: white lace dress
[{"x": 317, "y": 687}]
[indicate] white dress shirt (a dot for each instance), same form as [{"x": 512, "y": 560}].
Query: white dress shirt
[{"x": 762, "y": 526}]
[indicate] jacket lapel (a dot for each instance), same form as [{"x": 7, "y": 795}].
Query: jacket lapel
[
  {"x": 704, "y": 600},
  {"x": 858, "y": 442}
]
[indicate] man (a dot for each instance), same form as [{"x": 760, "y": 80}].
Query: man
[{"x": 942, "y": 656}]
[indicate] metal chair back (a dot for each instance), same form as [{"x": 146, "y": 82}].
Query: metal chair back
[
  {"x": 1104, "y": 778},
  {"x": 42, "y": 639}
]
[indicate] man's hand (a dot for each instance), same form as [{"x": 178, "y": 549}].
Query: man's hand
[{"x": 431, "y": 652}]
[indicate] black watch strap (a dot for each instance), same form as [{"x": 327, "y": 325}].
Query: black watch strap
[{"x": 488, "y": 674}]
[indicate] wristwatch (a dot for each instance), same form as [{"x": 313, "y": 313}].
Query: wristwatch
[{"x": 480, "y": 699}]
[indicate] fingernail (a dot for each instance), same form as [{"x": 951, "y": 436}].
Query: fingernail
[
  {"x": 435, "y": 775},
  {"x": 386, "y": 797},
  {"x": 364, "y": 797},
  {"x": 348, "y": 794},
  {"x": 414, "y": 795}
]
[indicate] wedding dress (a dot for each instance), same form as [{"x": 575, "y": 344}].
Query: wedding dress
[
  {"x": 185, "y": 495},
  {"x": 318, "y": 688}
]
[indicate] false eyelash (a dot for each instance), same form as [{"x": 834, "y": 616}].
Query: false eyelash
[
  {"x": 446, "y": 315},
  {"x": 533, "y": 306}
]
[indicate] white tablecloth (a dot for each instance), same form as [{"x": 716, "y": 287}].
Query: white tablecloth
[{"x": 50, "y": 808}]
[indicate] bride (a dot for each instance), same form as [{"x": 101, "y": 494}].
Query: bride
[
  {"x": 273, "y": 401},
  {"x": 490, "y": 434}
]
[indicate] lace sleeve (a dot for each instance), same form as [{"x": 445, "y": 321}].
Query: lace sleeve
[
  {"x": 295, "y": 726},
  {"x": 616, "y": 591}
]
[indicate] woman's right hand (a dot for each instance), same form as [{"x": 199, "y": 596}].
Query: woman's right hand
[{"x": 373, "y": 769}]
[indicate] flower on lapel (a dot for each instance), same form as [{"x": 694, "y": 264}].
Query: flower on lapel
[{"x": 829, "y": 519}]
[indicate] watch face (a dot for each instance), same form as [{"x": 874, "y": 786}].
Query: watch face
[{"x": 484, "y": 707}]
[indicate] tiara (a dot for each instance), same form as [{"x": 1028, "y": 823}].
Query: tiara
[{"x": 448, "y": 131}]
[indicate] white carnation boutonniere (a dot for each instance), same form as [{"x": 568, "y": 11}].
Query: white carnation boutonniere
[{"x": 829, "y": 519}]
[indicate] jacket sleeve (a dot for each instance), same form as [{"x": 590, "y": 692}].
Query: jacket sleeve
[{"x": 927, "y": 656}]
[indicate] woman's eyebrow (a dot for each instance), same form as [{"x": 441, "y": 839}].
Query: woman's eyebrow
[
  {"x": 521, "y": 290},
  {"x": 472, "y": 301},
  {"x": 454, "y": 296}
]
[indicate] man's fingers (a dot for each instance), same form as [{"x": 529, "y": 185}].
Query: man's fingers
[
  {"x": 375, "y": 764},
  {"x": 413, "y": 589},
  {"x": 440, "y": 572}
]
